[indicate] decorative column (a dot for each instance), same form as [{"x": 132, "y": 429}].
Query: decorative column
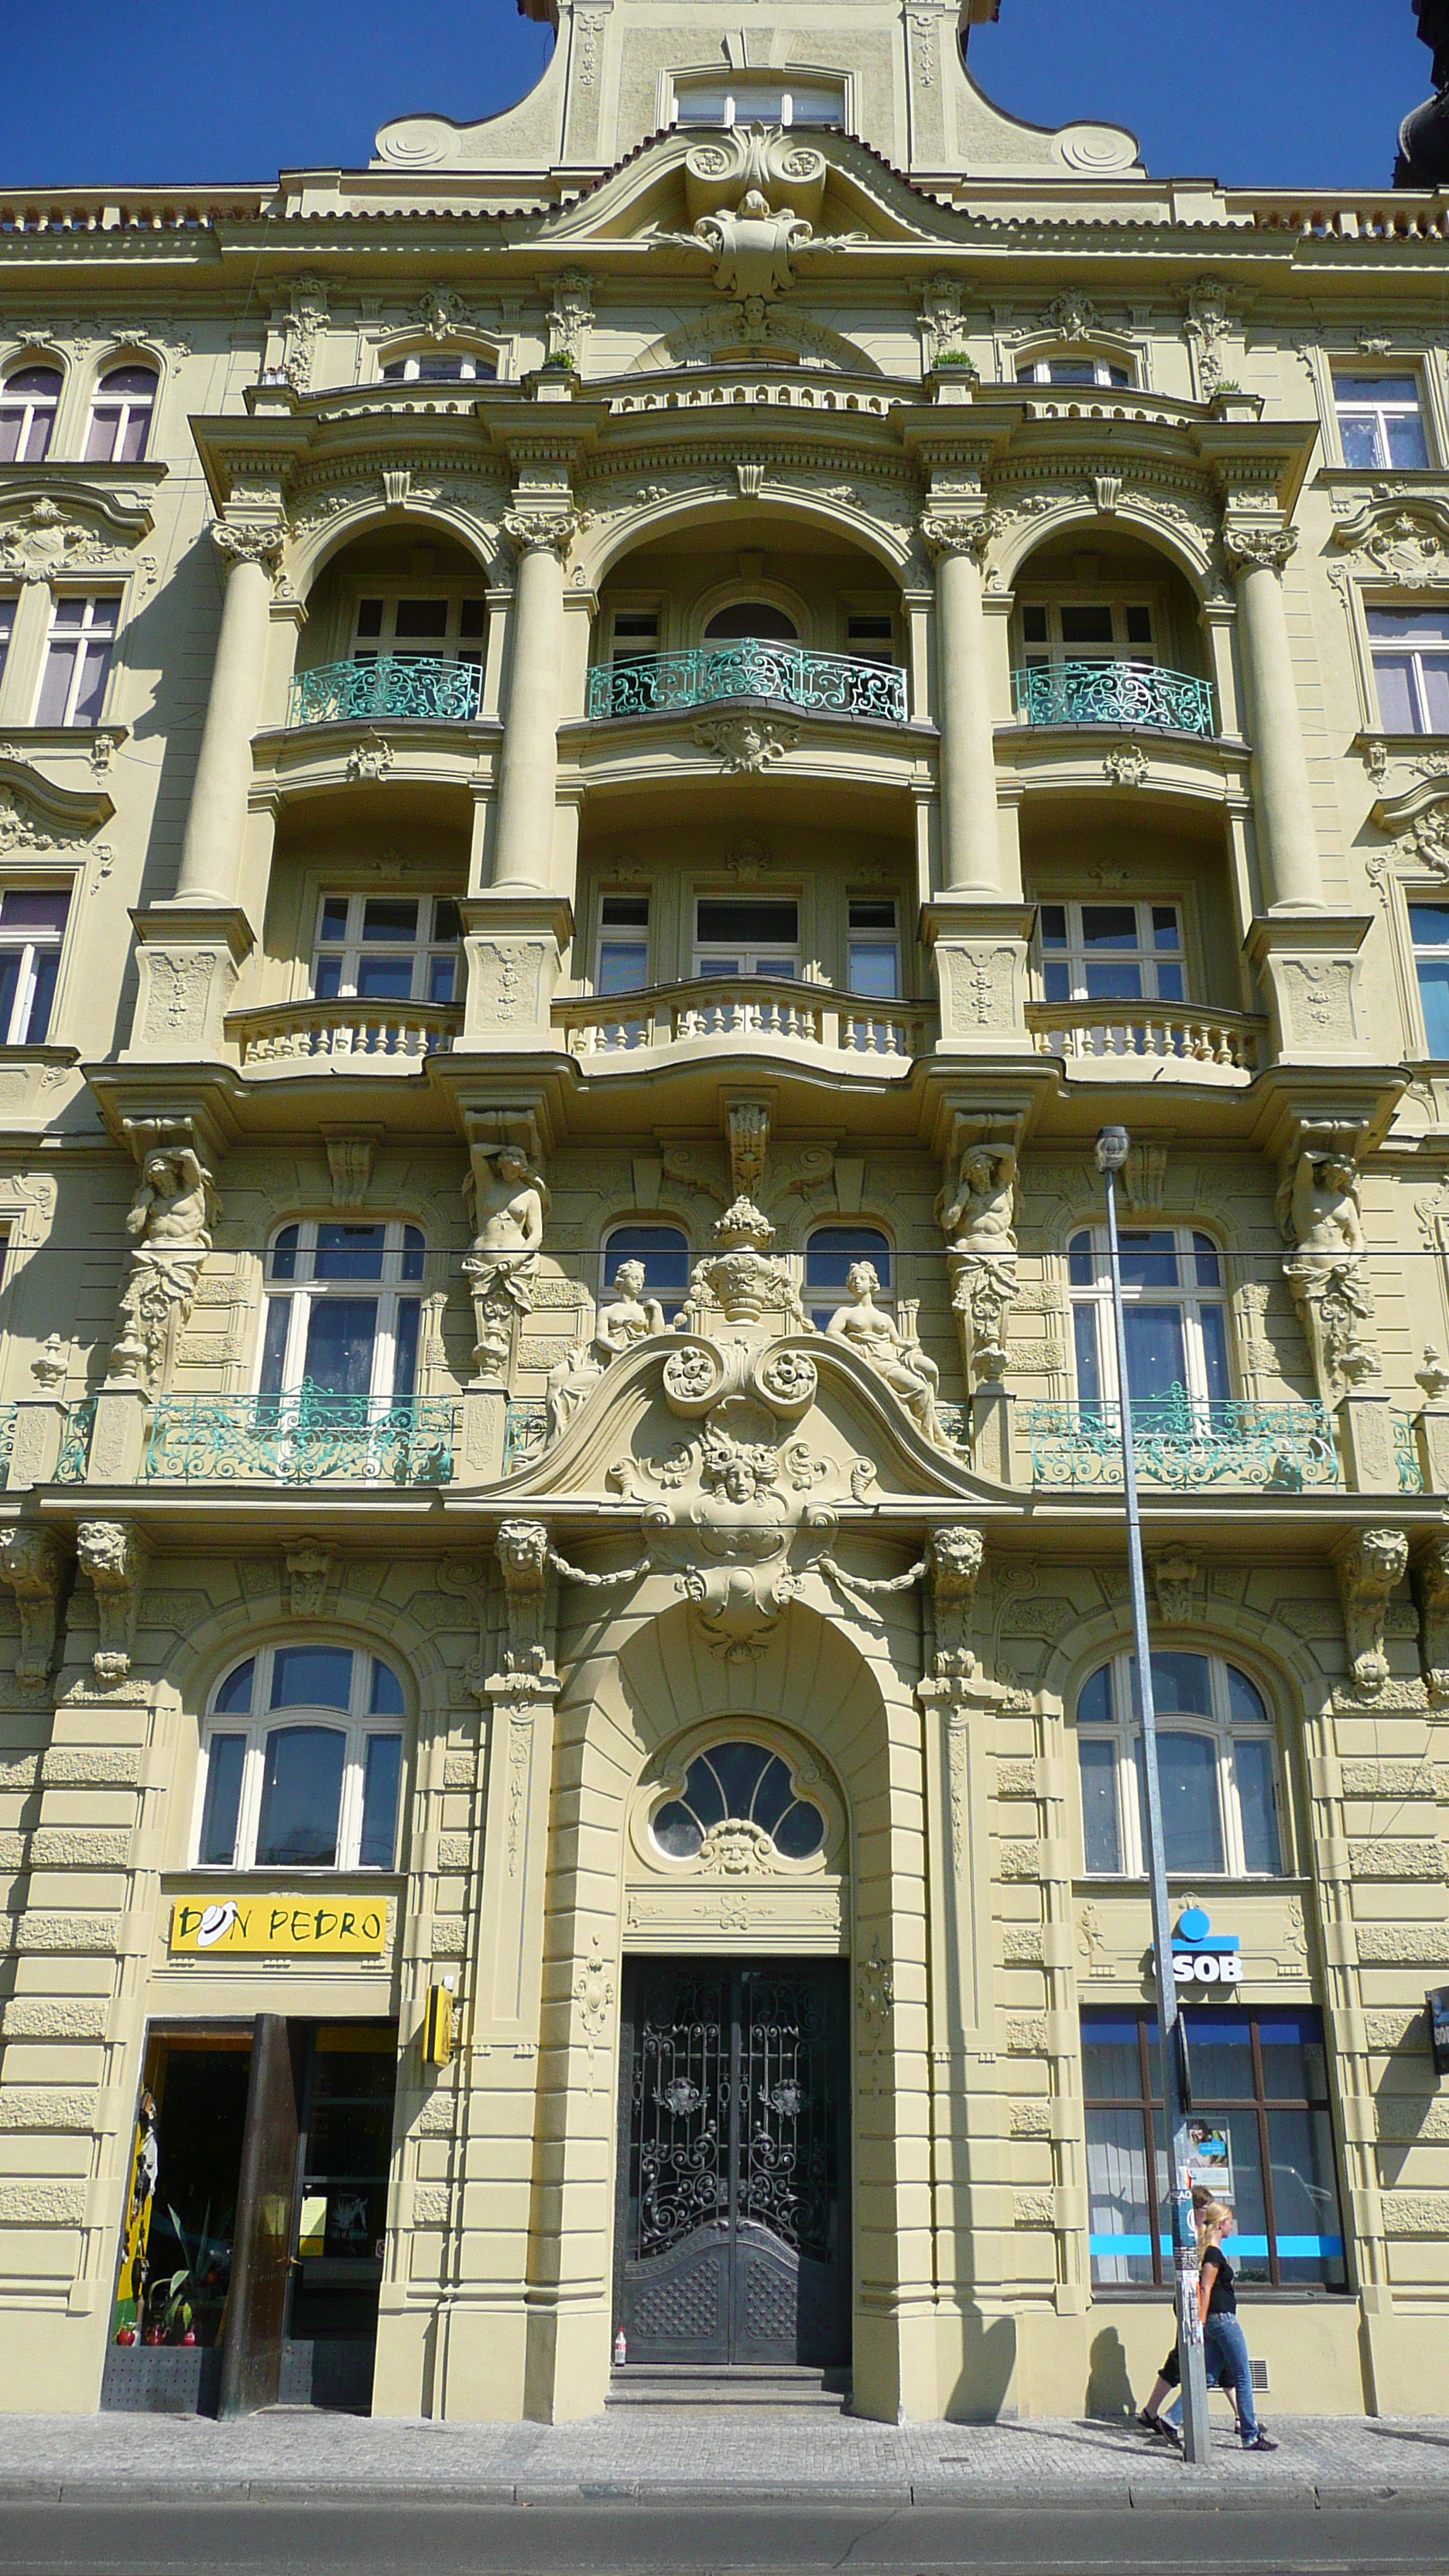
[
  {"x": 970, "y": 836},
  {"x": 1288, "y": 844},
  {"x": 528, "y": 767}
]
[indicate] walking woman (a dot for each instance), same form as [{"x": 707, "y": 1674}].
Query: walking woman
[{"x": 1225, "y": 2350}]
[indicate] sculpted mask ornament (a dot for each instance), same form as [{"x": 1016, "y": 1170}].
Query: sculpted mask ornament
[
  {"x": 170, "y": 1219},
  {"x": 1318, "y": 1208},
  {"x": 752, "y": 248},
  {"x": 979, "y": 1220},
  {"x": 508, "y": 1201},
  {"x": 1370, "y": 1567},
  {"x": 909, "y": 1372}
]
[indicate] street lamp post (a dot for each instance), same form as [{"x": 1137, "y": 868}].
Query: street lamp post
[{"x": 1113, "y": 1145}]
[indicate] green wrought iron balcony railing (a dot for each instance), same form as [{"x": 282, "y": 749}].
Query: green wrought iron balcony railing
[
  {"x": 1179, "y": 1440},
  {"x": 401, "y": 687},
  {"x": 304, "y": 1439},
  {"x": 1112, "y": 693},
  {"x": 748, "y": 667}
]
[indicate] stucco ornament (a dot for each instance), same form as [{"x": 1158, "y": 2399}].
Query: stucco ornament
[
  {"x": 507, "y": 1201},
  {"x": 33, "y": 1564},
  {"x": 629, "y": 1319},
  {"x": 909, "y": 1372},
  {"x": 1368, "y": 1570},
  {"x": 45, "y": 542},
  {"x": 523, "y": 1561},
  {"x": 112, "y": 1554},
  {"x": 978, "y": 1219},
  {"x": 170, "y": 1219},
  {"x": 1318, "y": 1210},
  {"x": 745, "y": 742},
  {"x": 751, "y": 247},
  {"x": 1432, "y": 1573},
  {"x": 956, "y": 1558}
]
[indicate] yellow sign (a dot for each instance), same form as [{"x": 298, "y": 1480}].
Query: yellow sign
[{"x": 321, "y": 1927}]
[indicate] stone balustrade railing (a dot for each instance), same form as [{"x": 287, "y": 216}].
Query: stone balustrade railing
[
  {"x": 1216, "y": 1044},
  {"x": 297, "y": 1033},
  {"x": 797, "y": 1015}
]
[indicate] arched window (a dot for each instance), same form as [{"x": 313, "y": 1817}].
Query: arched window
[
  {"x": 1071, "y": 371},
  {"x": 749, "y": 617},
  {"x": 121, "y": 416},
  {"x": 743, "y": 1794},
  {"x": 27, "y": 414},
  {"x": 439, "y": 367},
  {"x": 1176, "y": 1317},
  {"x": 342, "y": 1309},
  {"x": 1215, "y": 1768},
  {"x": 831, "y": 1254},
  {"x": 302, "y": 1763},
  {"x": 662, "y": 1253}
]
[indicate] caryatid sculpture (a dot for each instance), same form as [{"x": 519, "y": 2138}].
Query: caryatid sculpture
[
  {"x": 170, "y": 1221},
  {"x": 507, "y": 1198},
  {"x": 1318, "y": 1209},
  {"x": 978, "y": 1219}
]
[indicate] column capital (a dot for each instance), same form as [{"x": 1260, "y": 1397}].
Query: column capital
[
  {"x": 956, "y": 532},
  {"x": 249, "y": 542},
  {"x": 1258, "y": 544},
  {"x": 540, "y": 529}
]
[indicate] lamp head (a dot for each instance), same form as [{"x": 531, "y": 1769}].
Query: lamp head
[{"x": 1112, "y": 1149}]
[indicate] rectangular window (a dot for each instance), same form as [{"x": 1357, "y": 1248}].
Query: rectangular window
[
  {"x": 32, "y": 926},
  {"x": 1086, "y": 630},
  {"x": 1429, "y": 923},
  {"x": 1261, "y": 2121},
  {"x": 747, "y": 935},
  {"x": 1411, "y": 668},
  {"x": 1380, "y": 420},
  {"x": 623, "y": 943},
  {"x": 875, "y": 949},
  {"x": 422, "y": 628},
  {"x": 871, "y": 637},
  {"x": 1111, "y": 952},
  {"x": 636, "y": 634},
  {"x": 387, "y": 948},
  {"x": 77, "y": 660},
  {"x": 8, "y": 605}
]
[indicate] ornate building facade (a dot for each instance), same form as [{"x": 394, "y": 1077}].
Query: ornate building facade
[{"x": 619, "y": 735}]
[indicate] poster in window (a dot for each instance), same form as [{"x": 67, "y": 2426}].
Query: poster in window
[{"x": 1210, "y": 2157}]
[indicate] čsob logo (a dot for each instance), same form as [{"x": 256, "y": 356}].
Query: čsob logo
[{"x": 1201, "y": 1956}]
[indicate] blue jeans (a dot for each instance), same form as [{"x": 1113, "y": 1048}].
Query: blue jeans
[{"x": 1225, "y": 2356}]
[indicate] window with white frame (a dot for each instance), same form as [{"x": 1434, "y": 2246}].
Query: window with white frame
[
  {"x": 749, "y": 98},
  {"x": 662, "y": 1253},
  {"x": 870, "y": 636},
  {"x": 387, "y": 947},
  {"x": 77, "y": 660},
  {"x": 623, "y": 960},
  {"x": 1380, "y": 419},
  {"x": 120, "y": 425},
  {"x": 1072, "y": 371},
  {"x": 301, "y": 1763},
  {"x": 873, "y": 966},
  {"x": 1429, "y": 925},
  {"x": 1215, "y": 1767},
  {"x": 440, "y": 367},
  {"x": 32, "y": 927},
  {"x": 1410, "y": 648},
  {"x": 28, "y": 402},
  {"x": 1176, "y": 1316},
  {"x": 747, "y": 935},
  {"x": 1110, "y": 952},
  {"x": 417, "y": 626},
  {"x": 1085, "y": 630},
  {"x": 634, "y": 635},
  {"x": 343, "y": 1308},
  {"x": 831, "y": 1255},
  {"x": 8, "y": 605}
]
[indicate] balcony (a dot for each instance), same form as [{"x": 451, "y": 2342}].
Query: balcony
[
  {"x": 1113, "y": 693},
  {"x": 401, "y": 688},
  {"x": 792, "y": 1016},
  {"x": 1116, "y": 1040},
  {"x": 309, "y": 1438},
  {"x": 749, "y": 667},
  {"x": 343, "y": 1036},
  {"x": 1181, "y": 1441}
]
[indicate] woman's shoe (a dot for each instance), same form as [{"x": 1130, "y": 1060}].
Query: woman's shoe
[
  {"x": 1260, "y": 2442},
  {"x": 1151, "y": 2423}
]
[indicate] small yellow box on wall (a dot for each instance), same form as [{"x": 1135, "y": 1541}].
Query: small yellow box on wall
[{"x": 438, "y": 2027}]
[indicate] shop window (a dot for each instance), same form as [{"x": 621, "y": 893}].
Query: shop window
[
  {"x": 120, "y": 426},
  {"x": 344, "y": 2157},
  {"x": 27, "y": 414},
  {"x": 739, "y": 935},
  {"x": 32, "y": 927},
  {"x": 439, "y": 367},
  {"x": 302, "y": 1763},
  {"x": 623, "y": 962},
  {"x": 661, "y": 1252},
  {"x": 1110, "y": 952},
  {"x": 1072, "y": 371},
  {"x": 1429, "y": 924},
  {"x": 751, "y": 617},
  {"x": 387, "y": 948},
  {"x": 742, "y": 1785},
  {"x": 180, "y": 2216},
  {"x": 1216, "y": 1770},
  {"x": 77, "y": 660},
  {"x": 1380, "y": 420},
  {"x": 874, "y": 963},
  {"x": 1410, "y": 649},
  {"x": 342, "y": 1310},
  {"x": 831, "y": 1255},
  {"x": 1176, "y": 1317},
  {"x": 1260, "y": 2111}
]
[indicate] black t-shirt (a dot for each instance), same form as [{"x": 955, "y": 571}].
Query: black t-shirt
[{"x": 1222, "y": 2297}]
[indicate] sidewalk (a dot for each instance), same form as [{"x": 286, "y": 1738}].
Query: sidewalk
[{"x": 756, "y": 2454}]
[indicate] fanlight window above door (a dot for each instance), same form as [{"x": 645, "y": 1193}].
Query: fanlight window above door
[{"x": 738, "y": 1799}]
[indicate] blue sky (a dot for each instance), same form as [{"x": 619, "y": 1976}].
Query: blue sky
[{"x": 1287, "y": 93}]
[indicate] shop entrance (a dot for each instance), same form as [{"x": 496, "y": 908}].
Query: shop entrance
[
  {"x": 252, "y": 2243},
  {"x": 732, "y": 2235}
]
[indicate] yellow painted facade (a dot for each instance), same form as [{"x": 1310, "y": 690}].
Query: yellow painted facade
[{"x": 715, "y": 671}]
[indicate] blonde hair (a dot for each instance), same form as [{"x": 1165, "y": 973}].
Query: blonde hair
[{"x": 1213, "y": 2216}]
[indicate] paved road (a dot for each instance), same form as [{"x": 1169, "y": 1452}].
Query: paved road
[{"x": 406, "y": 2537}]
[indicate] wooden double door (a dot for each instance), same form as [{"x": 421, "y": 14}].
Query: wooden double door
[{"x": 732, "y": 2243}]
